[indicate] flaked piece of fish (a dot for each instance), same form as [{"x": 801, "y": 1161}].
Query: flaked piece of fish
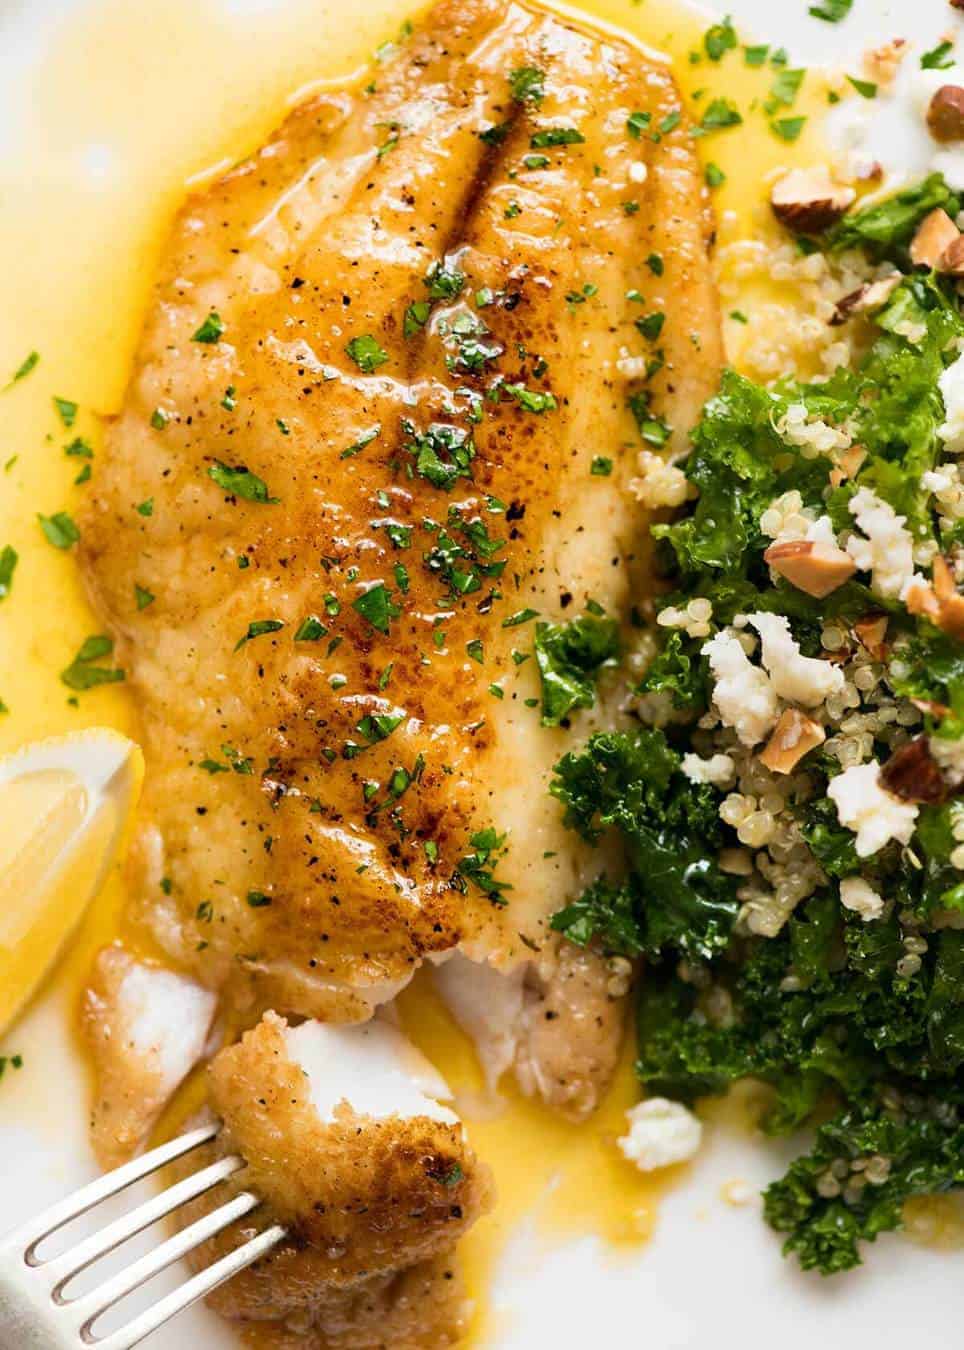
[
  {"x": 349, "y": 1142},
  {"x": 557, "y": 1022},
  {"x": 147, "y": 1027}
]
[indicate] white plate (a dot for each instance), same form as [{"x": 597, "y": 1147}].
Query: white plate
[{"x": 712, "y": 1275}]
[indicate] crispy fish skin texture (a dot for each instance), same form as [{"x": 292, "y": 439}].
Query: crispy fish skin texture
[
  {"x": 291, "y": 870},
  {"x": 363, "y": 1199}
]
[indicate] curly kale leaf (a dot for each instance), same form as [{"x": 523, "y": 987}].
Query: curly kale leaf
[
  {"x": 630, "y": 782},
  {"x": 569, "y": 656},
  {"x": 886, "y": 229},
  {"x": 925, "y": 1155},
  {"x": 680, "y": 671},
  {"x": 731, "y": 463}
]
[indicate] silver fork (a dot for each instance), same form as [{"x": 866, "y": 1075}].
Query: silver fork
[{"x": 35, "y": 1311}]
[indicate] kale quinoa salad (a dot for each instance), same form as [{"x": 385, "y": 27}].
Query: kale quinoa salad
[{"x": 789, "y": 799}]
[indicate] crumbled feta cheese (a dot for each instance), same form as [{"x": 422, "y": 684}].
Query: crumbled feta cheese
[
  {"x": 948, "y": 490},
  {"x": 812, "y": 437},
  {"x": 888, "y": 550},
  {"x": 718, "y": 770},
  {"x": 661, "y": 1133},
  {"x": 659, "y": 484},
  {"x": 860, "y": 896},
  {"x": 869, "y": 810},
  {"x": 743, "y": 694},
  {"x": 801, "y": 679},
  {"x": 822, "y": 532},
  {"x": 951, "y": 385}
]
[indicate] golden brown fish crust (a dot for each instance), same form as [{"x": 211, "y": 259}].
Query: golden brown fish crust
[
  {"x": 382, "y": 356},
  {"x": 362, "y": 1198}
]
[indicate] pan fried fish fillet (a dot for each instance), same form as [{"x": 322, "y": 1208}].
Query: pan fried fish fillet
[{"x": 355, "y": 454}]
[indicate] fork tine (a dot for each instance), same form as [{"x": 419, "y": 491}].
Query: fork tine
[
  {"x": 43, "y": 1225},
  {"x": 84, "y": 1311},
  {"x": 61, "y": 1269},
  {"x": 135, "y": 1331}
]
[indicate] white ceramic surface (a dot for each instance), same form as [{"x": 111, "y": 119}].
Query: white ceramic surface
[{"x": 713, "y": 1275}]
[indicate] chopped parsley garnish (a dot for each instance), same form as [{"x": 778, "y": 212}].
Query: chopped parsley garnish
[
  {"x": 536, "y": 161},
  {"x": 531, "y": 400},
  {"x": 637, "y": 123},
  {"x": 601, "y": 466},
  {"x": 66, "y": 410},
  {"x": 940, "y": 57},
  {"x": 258, "y": 899},
  {"x": 366, "y": 353},
  {"x": 8, "y": 565},
  {"x": 831, "y": 11},
  {"x": 719, "y": 39},
  {"x": 241, "y": 482},
  {"x": 24, "y": 369},
  {"x": 146, "y": 507},
  {"x": 376, "y": 605},
  {"x": 521, "y": 616},
  {"x": 865, "y": 88},
  {"x": 756, "y": 56},
  {"x": 527, "y": 84},
  {"x": 84, "y": 672},
  {"x": 310, "y": 629},
  {"x": 479, "y": 867},
  {"x": 651, "y": 325},
  {"x": 416, "y": 317},
  {"x": 59, "y": 529},
  {"x": 719, "y": 115},
  {"x": 442, "y": 453},
  {"x": 784, "y": 90},
  {"x": 551, "y": 136},
  {"x": 159, "y": 419},
  {"x": 258, "y": 628},
  {"x": 210, "y": 330},
  {"x": 714, "y": 175},
  {"x": 788, "y": 128},
  {"x": 143, "y": 596}
]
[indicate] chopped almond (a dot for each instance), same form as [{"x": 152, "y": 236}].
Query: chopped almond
[
  {"x": 935, "y": 235},
  {"x": 940, "y": 601},
  {"x": 847, "y": 465},
  {"x": 913, "y": 774},
  {"x": 953, "y": 260},
  {"x": 882, "y": 63},
  {"x": 865, "y": 299},
  {"x": 812, "y": 567},
  {"x": 871, "y": 633},
  {"x": 794, "y": 736},
  {"x": 945, "y": 116},
  {"x": 809, "y": 201}
]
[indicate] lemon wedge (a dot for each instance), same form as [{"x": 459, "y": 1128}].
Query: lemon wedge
[{"x": 65, "y": 804}]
